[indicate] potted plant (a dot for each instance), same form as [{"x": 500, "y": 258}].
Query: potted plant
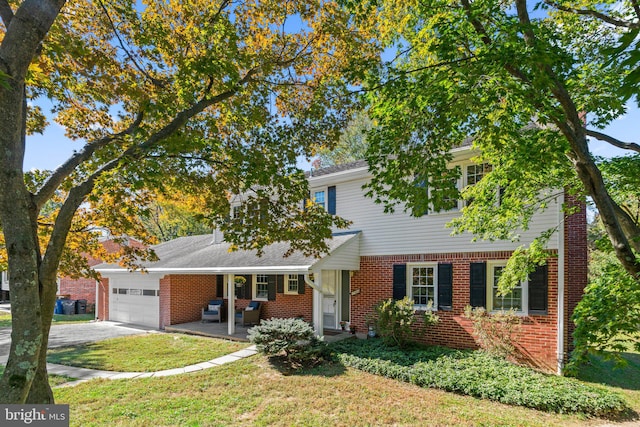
[
  {"x": 239, "y": 281},
  {"x": 343, "y": 325}
]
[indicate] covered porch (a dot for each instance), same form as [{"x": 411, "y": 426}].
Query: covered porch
[{"x": 220, "y": 330}]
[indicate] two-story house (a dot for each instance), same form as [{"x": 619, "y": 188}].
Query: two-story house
[{"x": 382, "y": 256}]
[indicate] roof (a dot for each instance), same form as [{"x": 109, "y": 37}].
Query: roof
[
  {"x": 338, "y": 168},
  {"x": 199, "y": 254}
]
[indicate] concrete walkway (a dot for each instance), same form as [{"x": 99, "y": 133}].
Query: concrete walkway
[{"x": 83, "y": 374}]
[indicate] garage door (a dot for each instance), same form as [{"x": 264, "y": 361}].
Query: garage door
[{"x": 135, "y": 300}]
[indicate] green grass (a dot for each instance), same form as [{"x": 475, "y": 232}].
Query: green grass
[
  {"x": 253, "y": 392},
  {"x": 58, "y": 319},
  {"x": 144, "y": 353},
  {"x": 72, "y": 318},
  {"x": 5, "y": 319},
  {"x": 624, "y": 379},
  {"x": 54, "y": 380}
]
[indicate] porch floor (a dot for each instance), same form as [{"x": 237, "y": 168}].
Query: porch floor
[{"x": 219, "y": 330}]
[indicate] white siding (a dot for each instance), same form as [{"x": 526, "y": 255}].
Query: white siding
[
  {"x": 399, "y": 233},
  {"x": 346, "y": 257}
]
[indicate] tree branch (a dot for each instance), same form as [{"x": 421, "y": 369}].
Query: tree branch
[
  {"x": 599, "y": 15},
  {"x": 53, "y": 182},
  {"x": 6, "y": 13},
  {"x": 613, "y": 141}
]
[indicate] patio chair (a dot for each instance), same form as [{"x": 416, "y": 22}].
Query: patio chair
[
  {"x": 213, "y": 311},
  {"x": 250, "y": 315}
]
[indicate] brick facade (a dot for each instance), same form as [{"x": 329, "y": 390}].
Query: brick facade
[
  {"x": 537, "y": 342},
  {"x": 182, "y": 298}
]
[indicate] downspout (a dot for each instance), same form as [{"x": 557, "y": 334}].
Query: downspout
[
  {"x": 311, "y": 283},
  {"x": 561, "y": 268}
]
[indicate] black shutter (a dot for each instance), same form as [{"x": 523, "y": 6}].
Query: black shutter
[
  {"x": 301, "y": 284},
  {"x": 280, "y": 279},
  {"x": 399, "y": 281},
  {"x": 331, "y": 202},
  {"x": 247, "y": 288},
  {"x": 538, "y": 290},
  {"x": 219, "y": 286},
  {"x": 271, "y": 287},
  {"x": 478, "y": 284},
  {"x": 445, "y": 286}
]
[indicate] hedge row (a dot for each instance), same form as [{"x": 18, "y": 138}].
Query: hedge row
[{"x": 477, "y": 374}]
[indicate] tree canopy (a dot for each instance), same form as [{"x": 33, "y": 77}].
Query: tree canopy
[
  {"x": 525, "y": 83},
  {"x": 212, "y": 97}
]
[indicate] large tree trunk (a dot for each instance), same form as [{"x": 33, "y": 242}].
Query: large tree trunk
[{"x": 24, "y": 34}]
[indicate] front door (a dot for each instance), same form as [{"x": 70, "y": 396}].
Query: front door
[{"x": 329, "y": 301}]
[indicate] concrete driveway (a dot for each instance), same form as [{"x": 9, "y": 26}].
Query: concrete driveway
[{"x": 76, "y": 333}]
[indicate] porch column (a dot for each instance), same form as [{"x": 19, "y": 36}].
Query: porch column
[
  {"x": 231, "y": 306},
  {"x": 318, "y": 321}
]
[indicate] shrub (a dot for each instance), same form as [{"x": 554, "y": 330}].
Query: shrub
[
  {"x": 294, "y": 338},
  {"x": 496, "y": 332},
  {"x": 394, "y": 320},
  {"x": 480, "y": 375}
]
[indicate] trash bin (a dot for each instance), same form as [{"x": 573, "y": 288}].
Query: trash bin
[
  {"x": 68, "y": 306},
  {"x": 58, "y": 308},
  {"x": 81, "y": 306}
]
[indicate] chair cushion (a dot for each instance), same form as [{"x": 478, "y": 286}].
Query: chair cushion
[
  {"x": 248, "y": 309},
  {"x": 214, "y": 308},
  {"x": 254, "y": 305},
  {"x": 215, "y": 302}
]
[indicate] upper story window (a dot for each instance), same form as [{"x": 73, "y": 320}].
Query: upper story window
[
  {"x": 318, "y": 198},
  {"x": 476, "y": 172},
  {"x": 326, "y": 198}
]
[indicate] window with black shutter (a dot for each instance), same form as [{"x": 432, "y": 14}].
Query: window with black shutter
[
  {"x": 301, "y": 284},
  {"x": 271, "y": 287},
  {"x": 445, "y": 286},
  {"x": 478, "y": 284},
  {"x": 219, "y": 286},
  {"x": 331, "y": 200},
  {"x": 399, "y": 281},
  {"x": 538, "y": 290}
]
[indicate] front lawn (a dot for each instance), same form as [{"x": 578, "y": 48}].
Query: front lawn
[
  {"x": 54, "y": 380},
  {"x": 5, "y": 319},
  {"x": 253, "y": 392},
  {"x": 144, "y": 353},
  {"x": 58, "y": 319}
]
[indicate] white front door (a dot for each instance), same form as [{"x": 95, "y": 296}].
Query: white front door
[{"x": 329, "y": 300}]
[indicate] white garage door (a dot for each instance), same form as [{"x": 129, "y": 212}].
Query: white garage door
[{"x": 135, "y": 299}]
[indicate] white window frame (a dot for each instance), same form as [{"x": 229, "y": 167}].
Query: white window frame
[
  {"x": 524, "y": 286},
  {"x": 324, "y": 193},
  {"x": 288, "y": 278},
  {"x": 255, "y": 286},
  {"x": 409, "y": 281}
]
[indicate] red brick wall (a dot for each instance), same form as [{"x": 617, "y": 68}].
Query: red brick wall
[
  {"x": 102, "y": 308},
  {"x": 83, "y": 288},
  {"x": 285, "y": 305},
  {"x": 576, "y": 259},
  {"x": 375, "y": 281},
  {"x": 182, "y": 297}
]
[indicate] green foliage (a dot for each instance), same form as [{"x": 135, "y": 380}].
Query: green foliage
[
  {"x": 480, "y": 375},
  {"x": 395, "y": 320},
  {"x": 607, "y": 316},
  {"x": 497, "y": 332},
  {"x": 293, "y": 337},
  {"x": 352, "y": 144}
]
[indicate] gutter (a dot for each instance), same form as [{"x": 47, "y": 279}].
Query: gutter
[{"x": 561, "y": 278}]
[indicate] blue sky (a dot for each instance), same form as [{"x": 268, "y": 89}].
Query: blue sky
[{"x": 51, "y": 149}]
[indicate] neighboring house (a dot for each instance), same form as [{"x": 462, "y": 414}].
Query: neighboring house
[
  {"x": 84, "y": 288},
  {"x": 4, "y": 286},
  {"x": 384, "y": 256}
]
